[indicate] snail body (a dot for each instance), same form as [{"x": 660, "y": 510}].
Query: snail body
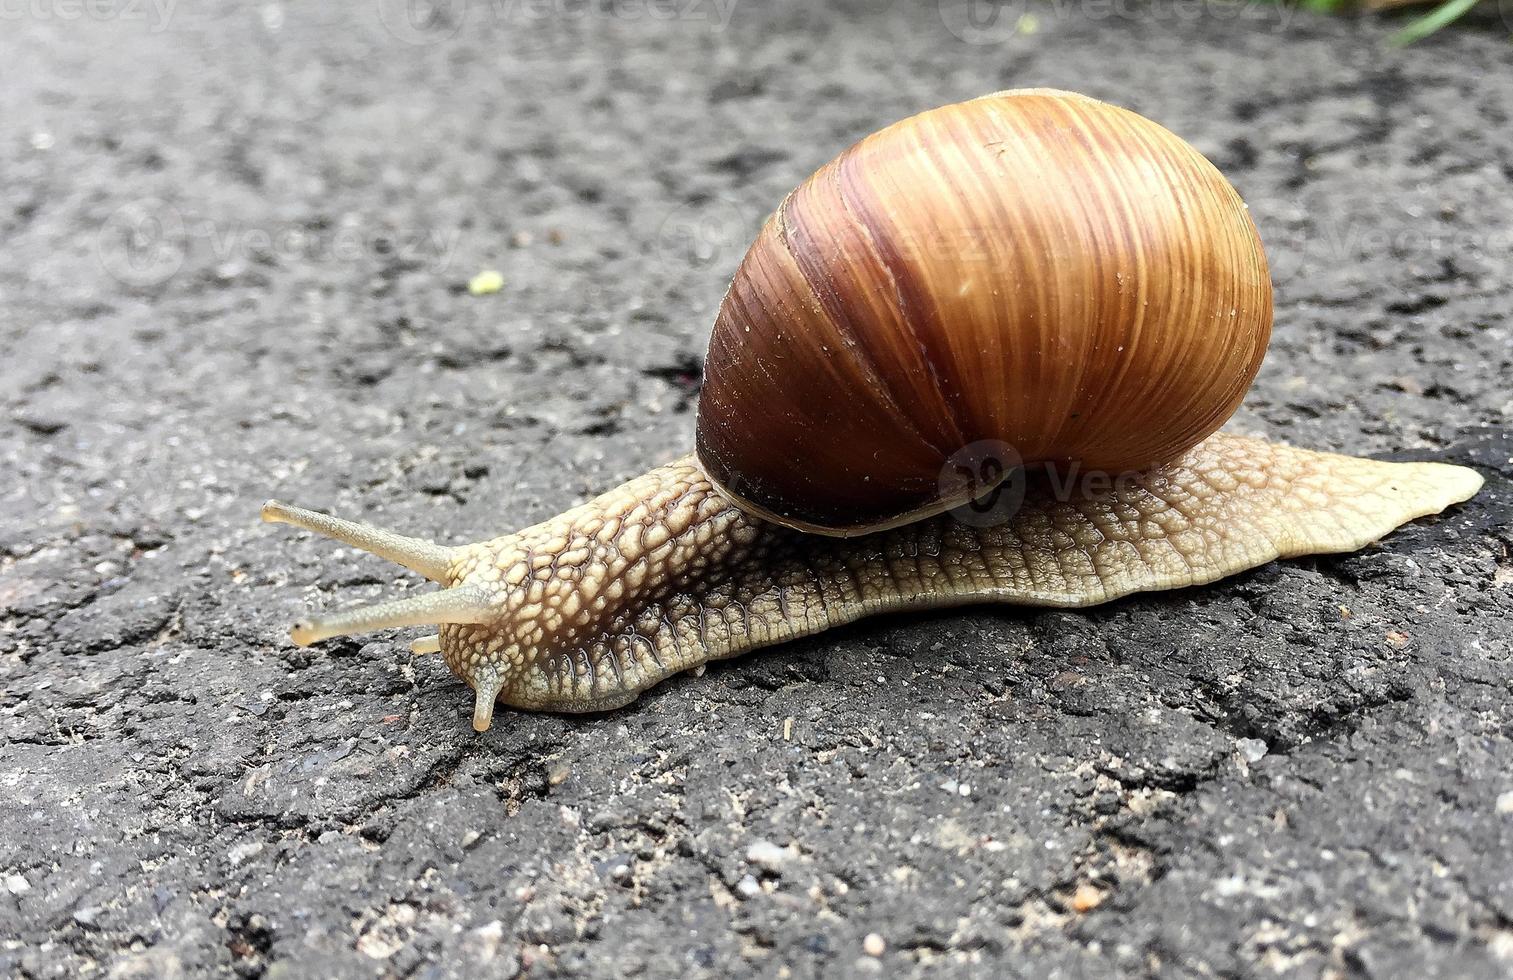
[{"x": 1032, "y": 271}]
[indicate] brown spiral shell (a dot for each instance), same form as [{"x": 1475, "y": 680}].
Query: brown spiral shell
[{"x": 1033, "y": 267}]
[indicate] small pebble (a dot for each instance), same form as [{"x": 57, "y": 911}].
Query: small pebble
[
  {"x": 874, "y": 945},
  {"x": 1252, "y": 749},
  {"x": 242, "y": 853},
  {"x": 17, "y": 885},
  {"x": 747, "y": 887},
  {"x": 1086, "y": 898},
  {"x": 1504, "y": 805},
  {"x": 486, "y": 940},
  {"x": 766, "y": 854}
]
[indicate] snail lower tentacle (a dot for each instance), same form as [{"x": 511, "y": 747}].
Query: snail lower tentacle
[{"x": 662, "y": 574}]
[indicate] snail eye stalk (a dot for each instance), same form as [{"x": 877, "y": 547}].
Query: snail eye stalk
[
  {"x": 468, "y": 604},
  {"x": 417, "y": 554}
]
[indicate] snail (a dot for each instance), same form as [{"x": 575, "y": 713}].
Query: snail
[{"x": 1031, "y": 270}]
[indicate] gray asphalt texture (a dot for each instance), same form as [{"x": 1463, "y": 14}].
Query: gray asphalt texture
[{"x": 237, "y": 243}]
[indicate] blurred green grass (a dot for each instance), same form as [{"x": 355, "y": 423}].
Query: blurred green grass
[
  {"x": 1415, "y": 30},
  {"x": 1421, "y": 27}
]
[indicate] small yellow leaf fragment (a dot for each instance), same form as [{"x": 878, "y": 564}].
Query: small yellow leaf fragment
[
  {"x": 1398, "y": 639},
  {"x": 486, "y": 282},
  {"x": 1345, "y": 612}
]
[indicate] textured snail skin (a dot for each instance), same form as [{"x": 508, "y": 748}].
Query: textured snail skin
[
  {"x": 1032, "y": 267},
  {"x": 663, "y": 574}
]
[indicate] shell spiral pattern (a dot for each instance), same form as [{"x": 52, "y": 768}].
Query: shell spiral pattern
[{"x": 1033, "y": 267}]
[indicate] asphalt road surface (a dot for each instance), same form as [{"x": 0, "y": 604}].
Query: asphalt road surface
[{"x": 237, "y": 243}]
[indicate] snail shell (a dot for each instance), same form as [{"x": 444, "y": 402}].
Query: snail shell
[{"x": 1033, "y": 267}]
